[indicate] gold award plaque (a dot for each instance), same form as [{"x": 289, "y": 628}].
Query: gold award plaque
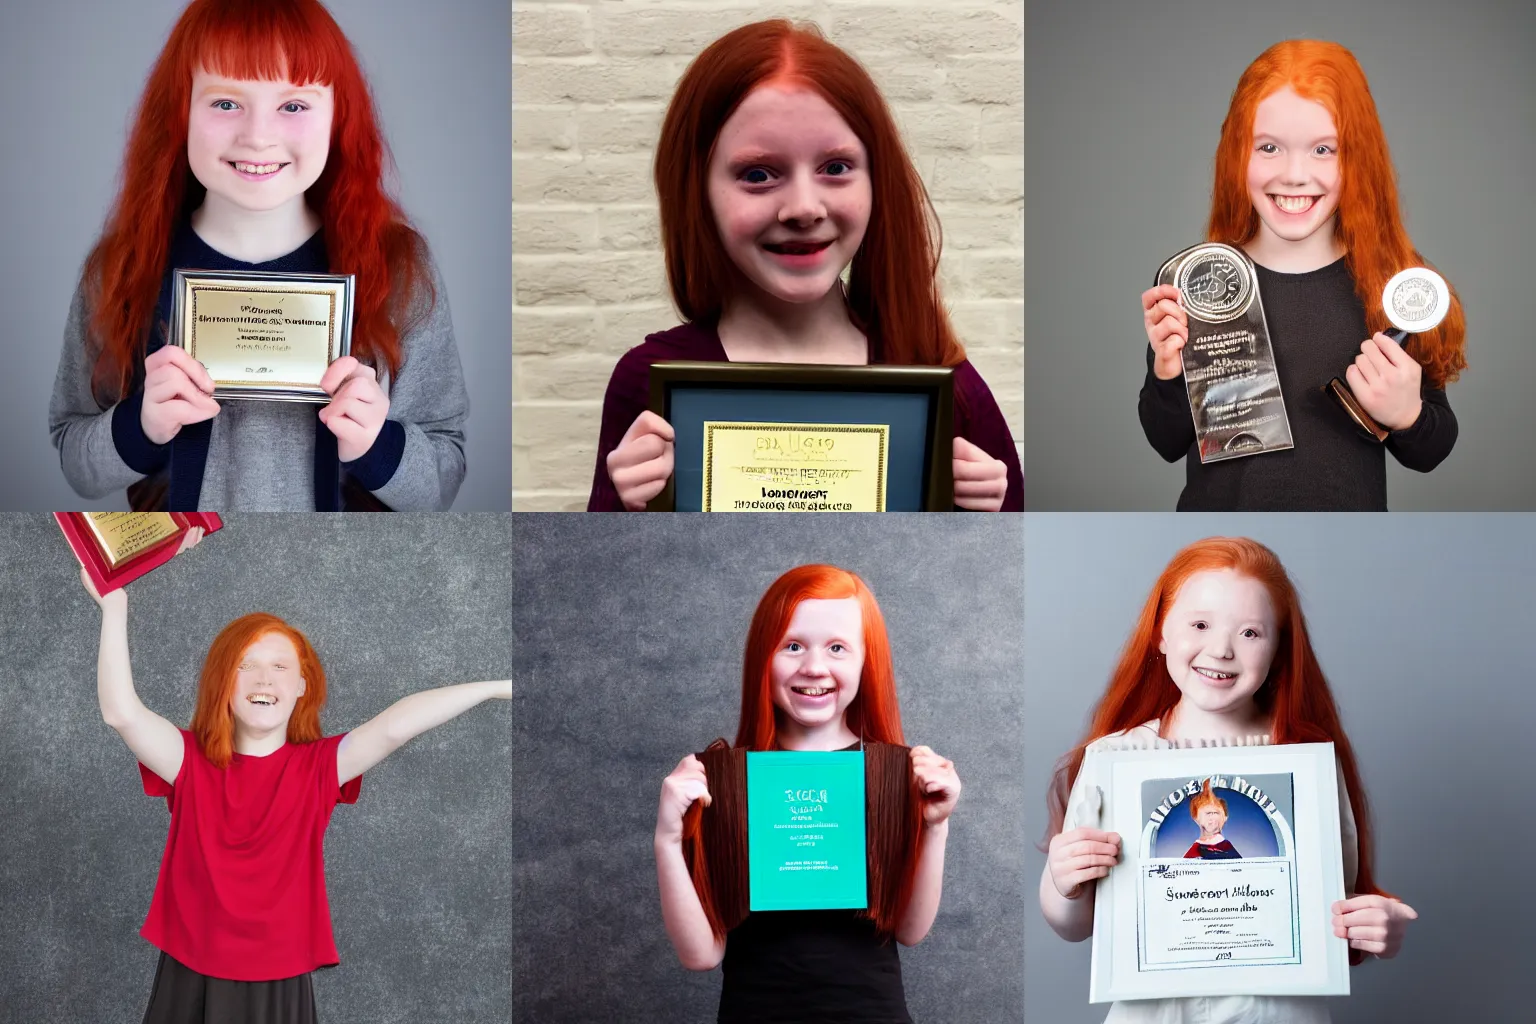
[
  {"x": 794, "y": 467},
  {"x": 122, "y": 535}
]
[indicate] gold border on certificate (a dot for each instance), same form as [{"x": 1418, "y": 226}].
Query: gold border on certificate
[
  {"x": 122, "y": 535},
  {"x": 795, "y": 467}
]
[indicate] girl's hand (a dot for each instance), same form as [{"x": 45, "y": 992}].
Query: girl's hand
[
  {"x": 1167, "y": 329},
  {"x": 678, "y": 792},
  {"x": 1386, "y": 381},
  {"x": 116, "y": 599},
  {"x": 981, "y": 482},
  {"x": 503, "y": 690},
  {"x": 177, "y": 391},
  {"x": 642, "y": 463},
  {"x": 939, "y": 784},
  {"x": 1374, "y": 924},
  {"x": 191, "y": 539},
  {"x": 1081, "y": 855},
  {"x": 357, "y": 409}
]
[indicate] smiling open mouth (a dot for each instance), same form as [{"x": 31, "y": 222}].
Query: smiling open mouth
[
  {"x": 1294, "y": 204},
  {"x": 263, "y": 699},
  {"x": 255, "y": 170},
  {"x": 1220, "y": 677},
  {"x": 796, "y": 248},
  {"x": 812, "y": 691}
]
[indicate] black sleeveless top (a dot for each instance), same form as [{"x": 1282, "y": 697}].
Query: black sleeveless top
[{"x": 811, "y": 967}]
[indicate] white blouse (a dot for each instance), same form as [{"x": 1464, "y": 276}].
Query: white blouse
[{"x": 1082, "y": 810}]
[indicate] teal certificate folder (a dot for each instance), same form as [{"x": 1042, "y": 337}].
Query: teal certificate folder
[{"x": 805, "y": 830}]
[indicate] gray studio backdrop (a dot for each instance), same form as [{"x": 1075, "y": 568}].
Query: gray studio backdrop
[
  {"x": 629, "y": 634},
  {"x": 442, "y": 80},
  {"x": 1422, "y": 624},
  {"x": 416, "y": 869},
  {"x": 1125, "y": 104}
]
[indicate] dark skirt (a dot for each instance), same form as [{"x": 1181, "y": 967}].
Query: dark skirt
[{"x": 182, "y": 996}]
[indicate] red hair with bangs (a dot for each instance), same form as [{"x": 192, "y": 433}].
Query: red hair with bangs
[
  {"x": 1370, "y": 223},
  {"x": 873, "y": 714},
  {"x": 893, "y": 288},
  {"x": 1295, "y": 694},
  {"x": 213, "y": 723},
  {"x": 366, "y": 232}
]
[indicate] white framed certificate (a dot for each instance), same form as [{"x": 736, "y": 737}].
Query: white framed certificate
[{"x": 1230, "y": 864}]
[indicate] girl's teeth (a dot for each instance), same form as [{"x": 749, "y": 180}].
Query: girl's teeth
[
  {"x": 257, "y": 168},
  {"x": 1295, "y": 204}
]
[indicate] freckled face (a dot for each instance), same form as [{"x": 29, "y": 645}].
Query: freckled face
[
  {"x": 1293, "y": 167},
  {"x": 1219, "y": 638},
  {"x": 816, "y": 670},
  {"x": 267, "y": 684},
  {"x": 790, "y": 191},
  {"x": 258, "y": 144}
]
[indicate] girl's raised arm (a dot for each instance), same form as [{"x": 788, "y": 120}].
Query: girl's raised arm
[
  {"x": 687, "y": 925},
  {"x": 407, "y": 718},
  {"x": 154, "y": 741}
]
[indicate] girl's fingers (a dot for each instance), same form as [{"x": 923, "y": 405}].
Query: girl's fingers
[
  {"x": 641, "y": 450},
  {"x": 1366, "y": 946}
]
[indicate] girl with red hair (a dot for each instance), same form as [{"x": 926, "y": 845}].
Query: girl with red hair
[
  {"x": 816, "y": 675},
  {"x": 780, "y": 166},
  {"x": 1219, "y": 652},
  {"x": 1305, "y": 186},
  {"x": 240, "y": 913},
  {"x": 256, "y": 149}
]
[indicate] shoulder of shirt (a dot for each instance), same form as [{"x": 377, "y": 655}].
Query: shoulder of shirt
[
  {"x": 1145, "y": 732},
  {"x": 683, "y": 342}
]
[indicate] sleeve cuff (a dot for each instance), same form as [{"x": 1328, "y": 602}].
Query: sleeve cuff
[
  {"x": 376, "y": 467},
  {"x": 137, "y": 451}
]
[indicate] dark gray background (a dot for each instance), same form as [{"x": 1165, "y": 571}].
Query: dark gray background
[
  {"x": 416, "y": 869},
  {"x": 1124, "y": 108},
  {"x": 629, "y": 633},
  {"x": 74, "y": 69},
  {"x": 1422, "y": 624}
]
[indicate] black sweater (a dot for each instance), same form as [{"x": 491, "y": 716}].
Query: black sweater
[{"x": 1316, "y": 325}]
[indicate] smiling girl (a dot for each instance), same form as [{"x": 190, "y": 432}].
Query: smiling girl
[
  {"x": 1305, "y": 186},
  {"x": 1220, "y": 652},
  {"x": 779, "y": 166},
  {"x": 816, "y": 675},
  {"x": 240, "y": 912},
  {"x": 256, "y": 148}
]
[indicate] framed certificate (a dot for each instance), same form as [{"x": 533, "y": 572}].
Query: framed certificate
[
  {"x": 805, "y": 830},
  {"x": 1230, "y": 865},
  {"x": 116, "y": 548},
  {"x": 775, "y": 437},
  {"x": 263, "y": 336}
]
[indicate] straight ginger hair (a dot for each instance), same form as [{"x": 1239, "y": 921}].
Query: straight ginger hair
[
  {"x": 893, "y": 289},
  {"x": 213, "y": 723},
  {"x": 1370, "y": 223},
  {"x": 366, "y": 232},
  {"x": 1295, "y": 694},
  {"x": 893, "y": 810}
]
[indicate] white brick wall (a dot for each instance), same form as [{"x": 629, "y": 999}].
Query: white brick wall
[{"x": 590, "y": 82}]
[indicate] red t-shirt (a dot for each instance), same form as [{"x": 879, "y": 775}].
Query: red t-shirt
[{"x": 241, "y": 892}]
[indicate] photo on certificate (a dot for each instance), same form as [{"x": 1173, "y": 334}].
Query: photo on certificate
[{"x": 1228, "y": 885}]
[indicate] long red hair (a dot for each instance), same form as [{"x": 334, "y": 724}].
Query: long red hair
[
  {"x": 873, "y": 714},
  {"x": 893, "y": 288},
  {"x": 213, "y": 723},
  {"x": 1370, "y": 223},
  {"x": 366, "y": 232},
  {"x": 1295, "y": 695}
]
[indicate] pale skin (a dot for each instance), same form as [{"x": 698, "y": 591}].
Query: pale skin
[
  {"x": 1218, "y": 639},
  {"x": 1293, "y": 180},
  {"x": 822, "y": 650},
  {"x": 268, "y": 671},
  {"x": 235, "y": 125},
  {"x": 787, "y": 171}
]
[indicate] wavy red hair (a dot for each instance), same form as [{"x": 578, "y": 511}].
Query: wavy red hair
[
  {"x": 893, "y": 289},
  {"x": 873, "y": 713},
  {"x": 213, "y": 723},
  {"x": 1295, "y": 695},
  {"x": 1370, "y": 222},
  {"x": 366, "y": 232}
]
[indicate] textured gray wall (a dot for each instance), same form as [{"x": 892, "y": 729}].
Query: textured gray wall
[
  {"x": 1422, "y": 624},
  {"x": 416, "y": 870},
  {"x": 441, "y": 76},
  {"x": 629, "y": 634},
  {"x": 1124, "y": 107}
]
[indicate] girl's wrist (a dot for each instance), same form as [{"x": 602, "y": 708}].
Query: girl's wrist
[{"x": 937, "y": 829}]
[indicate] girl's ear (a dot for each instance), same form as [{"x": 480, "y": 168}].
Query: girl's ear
[
  {"x": 1162, "y": 645},
  {"x": 303, "y": 685}
]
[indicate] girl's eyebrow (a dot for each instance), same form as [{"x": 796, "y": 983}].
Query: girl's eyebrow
[
  {"x": 234, "y": 87},
  {"x": 747, "y": 157},
  {"x": 1275, "y": 138}
]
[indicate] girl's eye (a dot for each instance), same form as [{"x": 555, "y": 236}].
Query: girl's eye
[
  {"x": 297, "y": 108},
  {"x": 1323, "y": 150},
  {"x": 1200, "y": 625},
  {"x": 755, "y": 176},
  {"x": 1269, "y": 147},
  {"x": 838, "y": 648},
  {"x": 832, "y": 168},
  {"x": 1251, "y": 633},
  {"x": 793, "y": 647},
  {"x": 225, "y": 105}
]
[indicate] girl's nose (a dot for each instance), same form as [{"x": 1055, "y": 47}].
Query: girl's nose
[{"x": 802, "y": 204}]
